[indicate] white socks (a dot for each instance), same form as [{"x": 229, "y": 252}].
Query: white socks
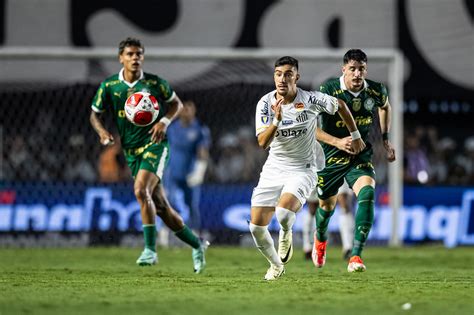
[
  {"x": 346, "y": 228},
  {"x": 286, "y": 218},
  {"x": 309, "y": 226},
  {"x": 264, "y": 242}
]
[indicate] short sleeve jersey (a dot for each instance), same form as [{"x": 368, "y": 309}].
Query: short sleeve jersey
[
  {"x": 114, "y": 91},
  {"x": 184, "y": 145},
  {"x": 362, "y": 106},
  {"x": 295, "y": 146}
]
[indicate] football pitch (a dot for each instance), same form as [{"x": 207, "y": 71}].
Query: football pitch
[{"x": 433, "y": 280}]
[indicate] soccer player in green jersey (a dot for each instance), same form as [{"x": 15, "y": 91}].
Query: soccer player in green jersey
[
  {"x": 146, "y": 149},
  {"x": 363, "y": 97}
]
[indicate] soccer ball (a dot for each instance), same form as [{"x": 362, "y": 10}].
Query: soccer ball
[{"x": 141, "y": 109}]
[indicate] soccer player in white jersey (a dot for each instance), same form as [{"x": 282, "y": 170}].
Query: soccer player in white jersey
[{"x": 286, "y": 122}]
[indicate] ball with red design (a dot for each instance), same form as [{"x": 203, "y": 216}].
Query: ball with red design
[{"x": 142, "y": 109}]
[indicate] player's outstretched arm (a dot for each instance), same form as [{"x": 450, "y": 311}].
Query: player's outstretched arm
[
  {"x": 158, "y": 131},
  {"x": 105, "y": 136},
  {"x": 357, "y": 143},
  {"x": 343, "y": 144},
  {"x": 266, "y": 137},
  {"x": 384, "y": 115}
]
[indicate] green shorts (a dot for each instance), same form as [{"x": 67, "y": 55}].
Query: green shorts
[
  {"x": 344, "y": 166},
  {"x": 151, "y": 157}
]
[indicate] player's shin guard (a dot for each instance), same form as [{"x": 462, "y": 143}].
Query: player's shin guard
[
  {"x": 188, "y": 236},
  {"x": 322, "y": 223},
  {"x": 149, "y": 235},
  {"x": 364, "y": 218},
  {"x": 264, "y": 242},
  {"x": 286, "y": 218}
]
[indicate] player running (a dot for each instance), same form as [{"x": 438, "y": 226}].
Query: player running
[
  {"x": 145, "y": 148},
  {"x": 285, "y": 121},
  {"x": 362, "y": 96}
]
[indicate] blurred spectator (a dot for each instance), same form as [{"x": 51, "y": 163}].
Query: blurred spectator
[
  {"x": 78, "y": 168},
  {"x": 231, "y": 163},
  {"x": 254, "y": 156},
  {"x": 112, "y": 166},
  {"x": 417, "y": 168},
  {"x": 21, "y": 165}
]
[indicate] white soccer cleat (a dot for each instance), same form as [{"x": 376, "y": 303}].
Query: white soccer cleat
[
  {"x": 356, "y": 264},
  {"x": 285, "y": 246},
  {"x": 147, "y": 258},
  {"x": 274, "y": 272}
]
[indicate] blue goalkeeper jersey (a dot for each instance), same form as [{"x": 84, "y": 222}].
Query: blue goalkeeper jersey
[{"x": 184, "y": 144}]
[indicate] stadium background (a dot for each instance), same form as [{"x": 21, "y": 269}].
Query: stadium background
[{"x": 52, "y": 193}]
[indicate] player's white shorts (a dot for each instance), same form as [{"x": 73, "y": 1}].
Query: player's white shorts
[
  {"x": 344, "y": 189},
  {"x": 275, "y": 181}
]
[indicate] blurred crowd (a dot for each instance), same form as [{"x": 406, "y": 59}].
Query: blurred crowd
[{"x": 429, "y": 159}]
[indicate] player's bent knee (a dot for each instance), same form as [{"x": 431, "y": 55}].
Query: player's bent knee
[
  {"x": 328, "y": 204},
  {"x": 141, "y": 194}
]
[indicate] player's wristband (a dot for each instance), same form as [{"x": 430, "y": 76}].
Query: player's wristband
[
  {"x": 355, "y": 135},
  {"x": 166, "y": 121},
  {"x": 276, "y": 122},
  {"x": 385, "y": 136}
]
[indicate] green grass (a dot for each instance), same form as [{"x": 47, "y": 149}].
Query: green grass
[{"x": 434, "y": 280}]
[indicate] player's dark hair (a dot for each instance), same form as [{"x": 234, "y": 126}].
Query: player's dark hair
[
  {"x": 130, "y": 41},
  {"x": 287, "y": 60},
  {"x": 356, "y": 55}
]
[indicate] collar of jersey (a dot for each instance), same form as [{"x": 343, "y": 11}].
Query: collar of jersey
[
  {"x": 344, "y": 87},
  {"x": 274, "y": 99},
  {"x": 121, "y": 78}
]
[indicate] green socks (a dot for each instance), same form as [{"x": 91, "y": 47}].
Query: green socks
[
  {"x": 364, "y": 218},
  {"x": 149, "y": 234},
  {"x": 187, "y": 236},
  {"x": 322, "y": 222}
]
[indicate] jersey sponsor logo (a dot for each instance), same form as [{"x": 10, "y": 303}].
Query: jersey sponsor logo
[
  {"x": 302, "y": 117},
  {"x": 265, "y": 119},
  {"x": 369, "y": 104},
  {"x": 356, "y": 104},
  {"x": 264, "y": 111},
  {"x": 287, "y": 122},
  {"x": 339, "y": 160},
  {"x": 359, "y": 120},
  {"x": 291, "y": 133},
  {"x": 314, "y": 100},
  {"x": 299, "y": 106}
]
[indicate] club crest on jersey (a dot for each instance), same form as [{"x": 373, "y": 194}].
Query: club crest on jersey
[
  {"x": 369, "y": 104},
  {"x": 265, "y": 120},
  {"x": 302, "y": 117},
  {"x": 356, "y": 104}
]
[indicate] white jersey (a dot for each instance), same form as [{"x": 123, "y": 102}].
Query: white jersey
[{"x": 294, "y": 146}]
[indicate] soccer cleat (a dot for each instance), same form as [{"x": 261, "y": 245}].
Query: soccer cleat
[
  {"x": 147, "y": 258},
  {"x": 307, "y": 255},
  {"x": 199, "y": 259},
  {"x": 356, "y": 264},
  {"x": 274, "y": 272},
  {"x": 319, "y": 253},
  {"x": 285, "y": 246}
]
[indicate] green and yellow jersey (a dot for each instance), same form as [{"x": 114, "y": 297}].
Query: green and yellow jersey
[
  {"x": 114, "y": 91},
  {"x": 362, "y": 106}
]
